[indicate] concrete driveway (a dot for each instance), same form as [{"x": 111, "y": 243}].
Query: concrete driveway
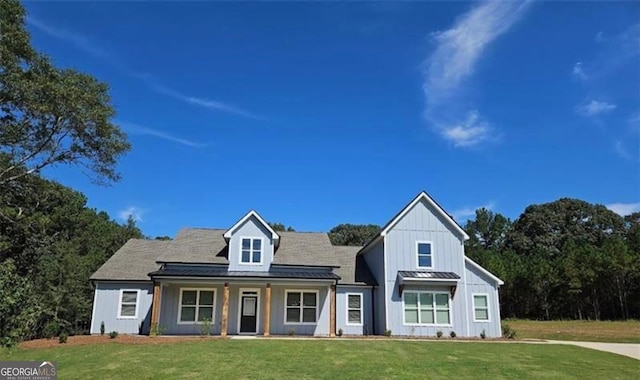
[{"x": 627, "y": 349}]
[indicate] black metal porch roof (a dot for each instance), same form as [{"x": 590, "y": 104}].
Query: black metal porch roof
[
  {"x": 222, "y": 272},
  {"x": 422, "y": 275}
]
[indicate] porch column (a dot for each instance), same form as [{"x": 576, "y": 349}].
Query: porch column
[
  {"x": 225, "y": 310},
  {"x": 155, "y": 305},
  {"x": 332, "y": 311},
  {"x": 267, "y": 310}
]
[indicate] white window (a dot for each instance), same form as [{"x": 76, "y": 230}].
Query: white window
[
  {"x": 354, "y": 308},
  {"x": 301, "y": 307},
  {"x": 128, "y": 304},
  {"x": 426, "y": 308},
  {"x": 251, "y": 251},
  {"x": 480, "y": 308},
  {"x": 196, "y": 305},
  {"x": 425, "y": 257}
]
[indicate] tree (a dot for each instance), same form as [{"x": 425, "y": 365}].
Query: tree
[
  {"x": 353, "y": 234},
  {"x": 53, "y": 248},
  {"x": 280, "y": 227},
  {"x": 18, "y": 311},
  {"x": 547, "y": 227},
  {"x": 488, "y": 230},
  {"x": 50, "y": 116}
]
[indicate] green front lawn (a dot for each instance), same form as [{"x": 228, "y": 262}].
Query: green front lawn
[
  {"x": 335, "y": 359},
  {"x": 590, "y": 331}
]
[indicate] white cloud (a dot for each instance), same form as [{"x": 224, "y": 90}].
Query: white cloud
[
  {"x": 578, "y": 71},
  {"x": 459, "y": 48},
  {"x": 96, "y": 50},
  {"x": 78, "y": 40},
  {"x": 613, "y": 52},
  {"x": 132, "y": 211},
  {"x": 142, "y": 130},
  {"x": 457, "y": 51},
  {"x": 625, "y": 151},
  {"x": 470, "y": 132},
  {"x": 466, "y": 212},
  {"x": 594, "y": 108},
  {"x": 207, "y": 103},
  {"x": 624, "y": 208}
]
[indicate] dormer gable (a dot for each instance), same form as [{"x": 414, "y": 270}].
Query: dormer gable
[
  {"x": 252, "y": 243},
  {"x": 252, "y": 214}
]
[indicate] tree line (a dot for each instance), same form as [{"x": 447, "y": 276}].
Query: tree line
[{"x": 567, "y": 259}]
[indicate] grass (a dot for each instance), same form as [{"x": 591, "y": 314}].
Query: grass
[
  {"x": 337, "y": 359},
  {"x": 590, "y": 331}
]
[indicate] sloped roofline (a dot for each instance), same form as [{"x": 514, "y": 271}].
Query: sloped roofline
[
  {"x": 276, "y": 237},
  {"x": 422, "y": 196},
  {"x": 486, "y": 272}
]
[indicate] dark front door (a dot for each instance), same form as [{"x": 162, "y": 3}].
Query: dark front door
[{"x": 249, "y": 314}]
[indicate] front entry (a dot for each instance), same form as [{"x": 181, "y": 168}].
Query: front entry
[{"x": 248, "y": 312}]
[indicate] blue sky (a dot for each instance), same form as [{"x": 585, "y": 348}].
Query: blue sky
[{"x": 316, "y": 114}]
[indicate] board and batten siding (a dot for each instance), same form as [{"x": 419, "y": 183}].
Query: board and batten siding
[
  {"x": 170, "y": 309},
  {"x": 251, "y": 228},
  {"x": 278, "y": 324},
  {"x": 170, "y": 306},
  {"x": 422, "y": 223},
  {"x": 365, "y": 328},
  {"x": 106, "y": 308},
  {"x": 374, "y": 257},
  {"x": 480, "y": 283}
]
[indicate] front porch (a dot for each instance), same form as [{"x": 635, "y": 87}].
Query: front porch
[{"x": 241, "y": 306}]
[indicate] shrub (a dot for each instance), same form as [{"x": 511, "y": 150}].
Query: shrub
[
  {"x": 113, "y": 334},
  {"x": 508, "y": 332},
  {"x": 62, "y": 338},
  {"x": 452, "y": 334},
  {"x": 292, "y": 332},
  {"x": 439, "y": 334},
  {"x": 340, "y": 332},
  {"x": 102, "y": 328},
  {"x": 483, "y": 334},
  {"x": 51, "y": 329},
  {"x": 157, "y": 329},
  {"x": 205, "y": 327},
  {"x": 387, "y": 333}
]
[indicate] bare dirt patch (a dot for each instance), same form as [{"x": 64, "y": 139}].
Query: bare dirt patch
[{"x": 84, "y": 340}]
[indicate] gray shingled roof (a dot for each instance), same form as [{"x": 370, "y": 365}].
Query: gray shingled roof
[
  {"x": 196, "y": 245},
  {"x": 132, "y": 261},
  {"x": 138, "y": 257},
  {"x": 353, "y": 269},
  {"x": 201, "y": 245}
]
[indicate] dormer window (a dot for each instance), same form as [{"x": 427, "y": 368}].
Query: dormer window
[
  {"x": 425, "y": 258},
  {"x": 251, "y": 251}
]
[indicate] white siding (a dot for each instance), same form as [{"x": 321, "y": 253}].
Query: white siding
[
  {"x": 251, "y": 228},
  {"x": 107, "y": 306}
]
